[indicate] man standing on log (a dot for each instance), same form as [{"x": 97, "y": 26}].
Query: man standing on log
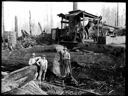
[
  {"x": 67, "y": 64},
  {"x": 43, "y": 63},
  {"x": 33, "y": 60},
  {"x": 66, "y": 61}
]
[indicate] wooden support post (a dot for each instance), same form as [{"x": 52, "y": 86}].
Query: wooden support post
[
  {"x": 61, "y": 23},
  {"x": 83, "y": 21},
  {"x": 61, "y": 28},
  {"x": 83, "y": 26},
  {"x": 75, "y": 30},
  {"x": 84, "y": 32},
  {"x": 98, "y": 34}
]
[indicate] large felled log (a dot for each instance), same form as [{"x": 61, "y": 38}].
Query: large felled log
[
  {"x": 19, "y": 59},
  {"x": 23, "y": 51},
  {"x": 13, "y": 64},
  {"x": 102, "y": 48},
  {"x": 99, "y": 60},
  {"x": 113, "y": 51},
  {"x": 93, "y": 60},
  {"x": 18, "y": 78},
  {"x": 17, "y": 63}
]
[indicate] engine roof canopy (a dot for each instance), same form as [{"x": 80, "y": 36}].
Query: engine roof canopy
[{"x": 79, "y": 13}]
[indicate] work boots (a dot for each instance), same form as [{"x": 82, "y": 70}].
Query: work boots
[{"x": 71, "y": 80}]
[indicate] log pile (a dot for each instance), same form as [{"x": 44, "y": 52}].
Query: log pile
[
  {"x": 21, "y": 82},
  {"x": 18, "y": 78},
  {"x": 31, "y": 88}
]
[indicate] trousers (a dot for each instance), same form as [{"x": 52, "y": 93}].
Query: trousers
[
  {"x": 67, "y": 65},
  {"x": 41, "y": 73}
]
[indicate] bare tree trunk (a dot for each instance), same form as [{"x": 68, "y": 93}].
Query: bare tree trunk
[{"x": 16, "y": 26}]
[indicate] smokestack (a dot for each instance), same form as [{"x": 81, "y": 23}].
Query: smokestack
[
  {"x": 117, "y": 15},
  {"x": 74, "y": 6}
]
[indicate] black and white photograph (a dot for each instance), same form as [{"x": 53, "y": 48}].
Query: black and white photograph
[{"x": 63, "y": 48}]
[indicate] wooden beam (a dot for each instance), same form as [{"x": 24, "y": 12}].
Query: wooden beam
[
  {"x": 61, "y": 23},
  {"x": 111, "y": 26}
]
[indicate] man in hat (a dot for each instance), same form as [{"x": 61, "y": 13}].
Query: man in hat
[
  {"x": 67, "y": 63},
  {"x": 34, "y": 59},
  {"x": 66, "y": 60},
  {"x": 43, "y": 63}
]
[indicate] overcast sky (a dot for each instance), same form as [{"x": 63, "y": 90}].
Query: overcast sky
[{"x": 46, "y": 13}]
